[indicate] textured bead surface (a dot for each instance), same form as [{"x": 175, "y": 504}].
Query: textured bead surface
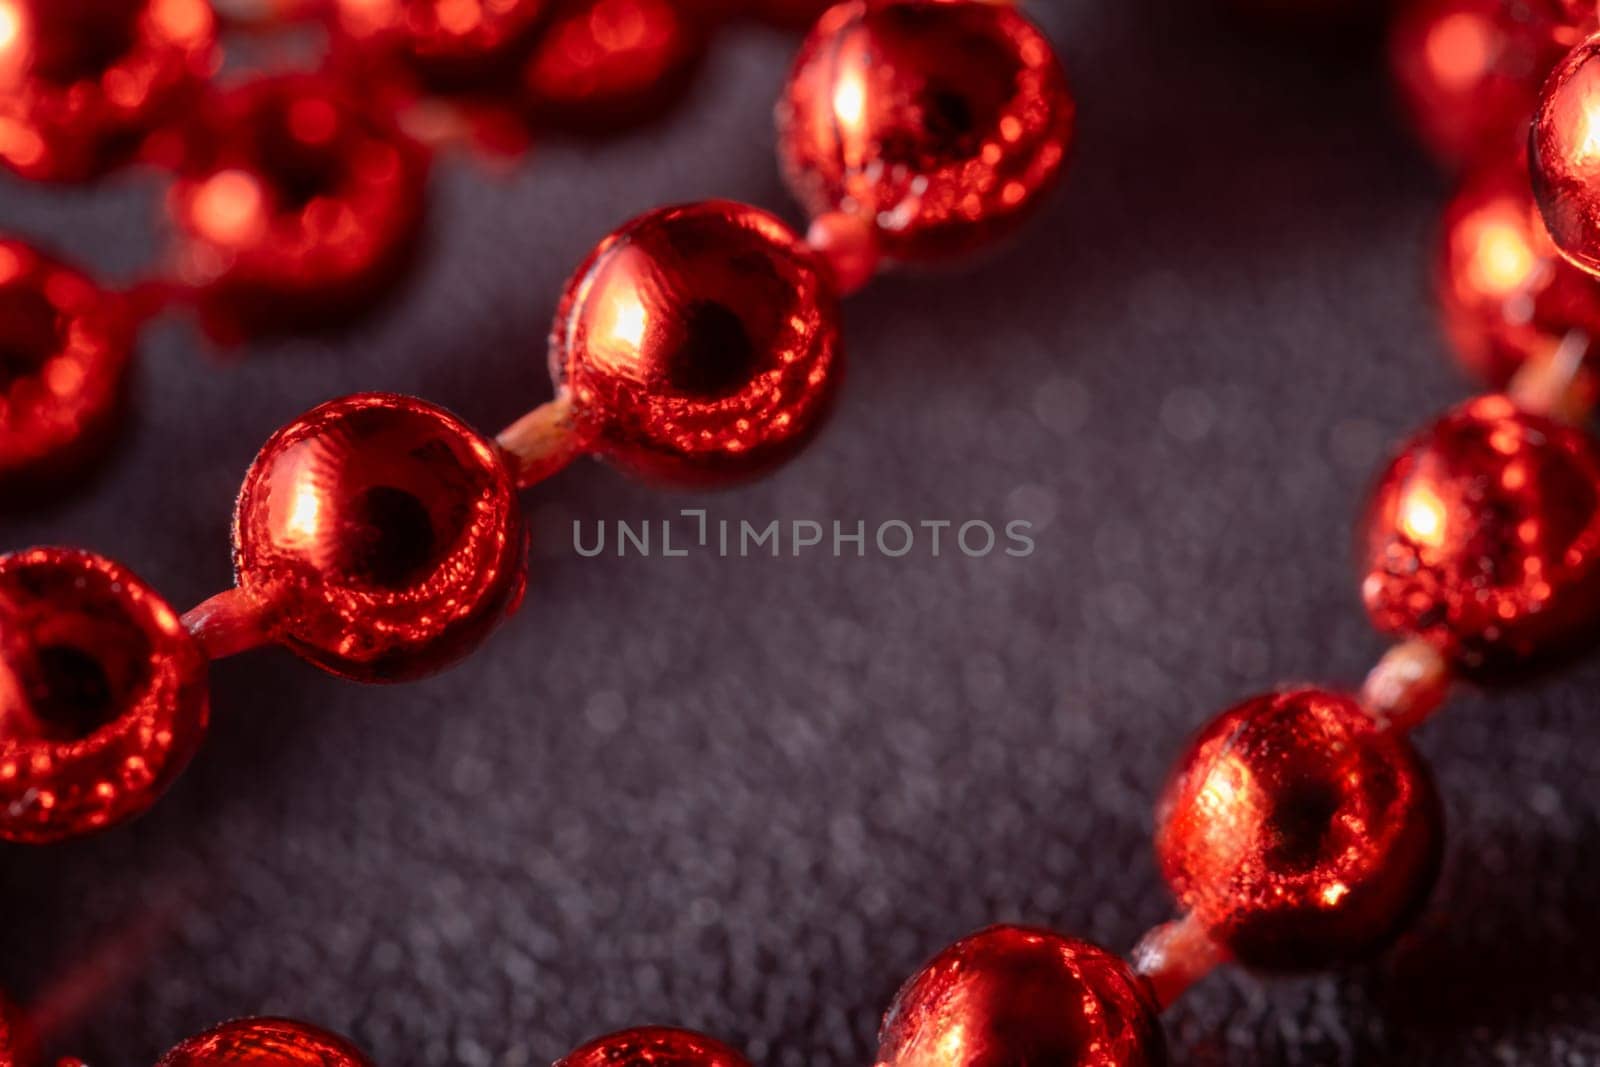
[
  {"x": 604, "y": 64},
  {"x": 1507, "y": 296},
  {"x": 1483, "y": 536},
  {"x": 64, "y": 348},
  {"x": 82, "y": 82},
  {"x": 700, "y": 344},
  {"x": 103, "y": 695},
  {"x": 10, "y": 1044},
  {"x": 943, "y": 123},
  {"x": 1564, "y": 155},
  {"x": 654, "y": 1046},
  {"x": 1013, "y": 996},
  {"x": 1299, "y": 833},
  {"x": 1468, "y": 71},
  {"x": 297, "y": 208},
  {"x": 265, "y": 1043},
  {"x": 380, "y": 537}
]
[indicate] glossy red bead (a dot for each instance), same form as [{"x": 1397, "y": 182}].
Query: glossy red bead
[
  {"x": 298, "y": 207},
  {"x": 266, "y": 1043},
  {"x": 103, "y": 695},
  {"x": 1300, "y": 834},
  {"x": 83, "y": 82},
  {"x": 942, "y": 122},
  {"x": 600, "y": 65},
  {"x": 448, "y": 43},
  {"x": 380, "y": 537},
  {"x": 1506, "y": 294},
  {"x": 1564, "y": 155},
  {"x": 1010, "y": 996},
  {"x": 654, "y": 1046},
  {"x": 11, "y": 1054},
  {"x": 64, "y": 349},
  {"x": 1468, "y": 71},
  {"x": 1483, "y": 536},
  {"x": 698, "y": 344}
]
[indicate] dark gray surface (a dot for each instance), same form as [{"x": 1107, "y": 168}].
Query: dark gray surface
[{"x": 751, "y": 796}]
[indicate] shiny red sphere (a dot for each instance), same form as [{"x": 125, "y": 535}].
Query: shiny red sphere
[
  {"x": 654, "y": 1046},
  {"x": 11, "y": 1051},
  {"x": 1468, "y": 71},
  {"x": 1506, "y": 294},
  {"x": 1010, "y": 996},
  {"x": 64, "y": 349},
  {"x": 1299, "y": 833},
  {"x": 605, "y": 64},
  {"x": 698, "y": 344},
  {"x": 380, "y": 537},
  {"x": 103, "y": 695},
  {"x": 448, "y": 43},
  {"x": 1483, "y": 536},
  {"x": 265, "y": 1043},
  {"x": 83, "y": 82},
  {"x": 1564, "y": 155},
  {"x": 297, "y": 208},
  {"x": 942, "y": 122}
]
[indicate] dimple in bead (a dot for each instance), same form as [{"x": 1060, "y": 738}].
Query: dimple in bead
[
  {"x": 64, "y": 351},
  {"x": 1299, "y": 833},
  {"x": 654, "y": 1046},
  {"x": 103, "y": 695},
  {"x": 1563, "y": 159},
  {"x": 698, "y": 345},
  {"x": 1483, "y": 537},
  {"x": 942, "y": 123},
  {"x": 1016, "y": 995},
  {"x": 265, "y": 1043},
  {"x": 379, "y": 537},
  {"x": 298, "y": 208},
  {"x": 83, "y": 82}
]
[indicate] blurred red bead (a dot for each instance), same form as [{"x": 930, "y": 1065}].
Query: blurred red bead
[
  {"x": 298, "y": 207},
  {"x": 380, "y": 537},
  {"x": 795, "y": 14},
  {"x": 654, "y": 1046},
  {"x": 266, "y": 1043},
  {"x": 83, "y": 82},
  {"x": 448, "y": 43},
  {"x": 698, "y": 344},
  {"x": 1299, "y": 833},
  {"x": 601, "y": 65},
  {"x": 64, "y": 351},
  {"x": 1483, "y": 536},
  {"x": 944, "y": 123},
  {"x": 1507, "y": 296},
  {"x": 1564, "y": 156},
  {"x": 103, "y": 695},
  {"x": 1010, "y": 996},
  {"x": 849, "y": 246}
]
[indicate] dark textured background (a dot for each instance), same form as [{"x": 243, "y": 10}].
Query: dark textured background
[{"x": 751, "y": 796}]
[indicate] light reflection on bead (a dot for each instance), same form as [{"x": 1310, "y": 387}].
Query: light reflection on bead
[
  {"x": 1483, "y": 536},
  {"x": 942, "y": 123},
  {"x": 699, "y": 344},
  {"x": 654, "y": 1046},
  {"x": 64, "y": 352},
  {"x": 1564, "y": 157},
  {"x": 1013, "y": 995},
  {"x": 266, "y": 1043},
  {"x": 82, "y": 82},
  {"x": 1299, "y": 833},
  {"x": 103, "y": 695},
  {"x": 380, "y": 537}
]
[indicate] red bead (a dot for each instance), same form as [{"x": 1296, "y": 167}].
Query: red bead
[
  {"x": 1483, "y": 536},
  {"x": 849, "y": 246},
  {"x": 265, "y": 1043},
  {"x": 11, "y": 1054},
  {"x": 698, "y": 344},
  {"x": 943, "y": 123},
  {"x": 103, "y": 695},
  {"x": 1565, "y": 155},
  {"x": 1300, "y": 834},
  {"x": 1468, "y": 71},
  {"x": 1506, "y": 294},
  {"x": 1011, "y": 996},
  {"x": 64, "y": 350},
  {"x": 298, "y": 206},
  {"x": 654, "y": 1046},
  {"x": 450, "y": 45},
  {"x": 83, "y": 82},
  {"x": 605, "y": 64},
  {"x": 380, "y": 537}
]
